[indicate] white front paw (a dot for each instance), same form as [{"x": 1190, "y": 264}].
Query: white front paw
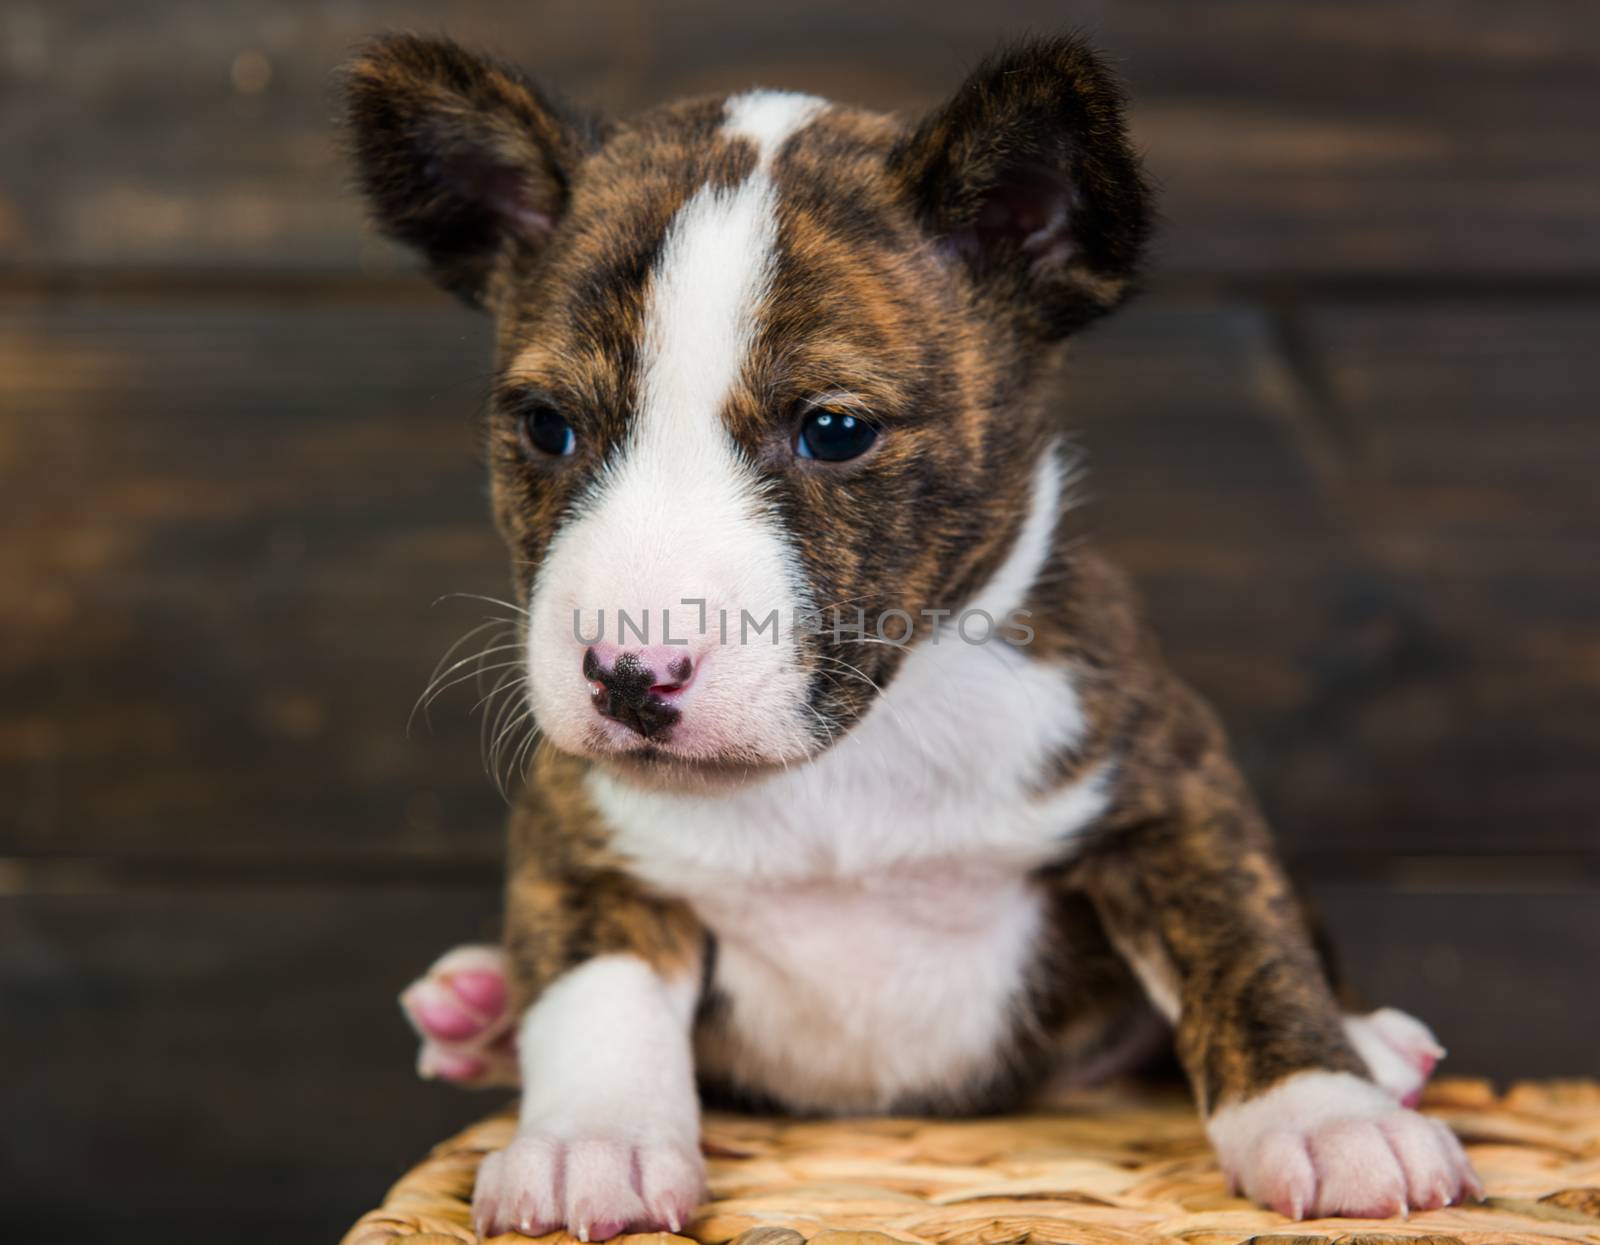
[
  {"x": 593, "y": 1184},
  {"x": 1329, "y": 1143}
]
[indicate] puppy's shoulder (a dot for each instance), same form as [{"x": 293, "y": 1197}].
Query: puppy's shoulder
[{"x": 1146, "y": 724}]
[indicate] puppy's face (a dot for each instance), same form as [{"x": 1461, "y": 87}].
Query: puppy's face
[{"x": 762, "y": 407}]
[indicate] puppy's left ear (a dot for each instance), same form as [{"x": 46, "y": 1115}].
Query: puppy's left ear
[
  {"x": 1026, "y": 177},
  {"x": 461, "y": 158}
]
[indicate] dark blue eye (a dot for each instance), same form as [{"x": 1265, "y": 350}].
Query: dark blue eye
[
  {"x": 546, "y": 431},
  {"x": 833, "y": 436}
]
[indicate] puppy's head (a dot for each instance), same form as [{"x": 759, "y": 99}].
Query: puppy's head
[{"x": 764, "y": 406}]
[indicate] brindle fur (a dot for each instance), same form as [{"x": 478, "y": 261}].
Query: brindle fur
[
  {"x": 1182, "y": 870},
  {"x": 552, "y": 221},
  {"x": 568, "y": 898}
]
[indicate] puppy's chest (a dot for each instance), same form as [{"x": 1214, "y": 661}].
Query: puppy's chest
[
  {"x": 876, "y": 915},
  {"x": 860, "y": 993}
]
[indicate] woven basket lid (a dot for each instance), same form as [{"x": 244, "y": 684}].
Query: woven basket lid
[{"x": 1122, "y": 1166}]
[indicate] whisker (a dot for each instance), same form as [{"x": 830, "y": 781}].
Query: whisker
[
  {"x": 479, "y": 675},
  {"x": 525, "y": 753},
  {"x": 833, "y": 605},
  {"x": 916, "y": 735},
  {"x": 504, "y": 743},
  {"x": 424, "y": 699},
  {"x": 830, "y": 731},
  {"x": 867, "y": 639},
  {"x": 513, "y": 669},
  {"x": 479, "y": 670},
  {"x": 500, "y": 781},
  {"x": 478, "y": 596},
  {"x": 474, "y": 631},
  {"x": 493, "y": 719}
]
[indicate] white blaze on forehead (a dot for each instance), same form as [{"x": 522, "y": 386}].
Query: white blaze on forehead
[
  {"x": 769, "y": 119},
  {"x": 713, "y": 273},
  {"x": 681, "y": 513}
]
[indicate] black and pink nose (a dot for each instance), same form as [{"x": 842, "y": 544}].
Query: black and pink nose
[{"x": 638, "y": 687}]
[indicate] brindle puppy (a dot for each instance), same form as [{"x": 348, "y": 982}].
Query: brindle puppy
[{"x": 862, "y": 787}]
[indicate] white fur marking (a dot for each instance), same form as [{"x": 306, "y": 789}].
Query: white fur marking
[
  {"x": 609, "y": 1128},
  {"x": 607, "y": 1044},
  {"x": 682, "y": 515},
  {"x": 769, "y": 119},
  {"x": 1155, "y": 977}
]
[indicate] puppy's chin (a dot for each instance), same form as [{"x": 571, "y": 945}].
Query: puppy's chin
[
  {"x": 659, "y": 769},
  {"x": 703, "y": 753}
]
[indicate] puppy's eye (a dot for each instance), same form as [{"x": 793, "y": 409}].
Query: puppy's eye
[
  {"x": 834, "y": 436},
  {"x": 545, "y": 431}
]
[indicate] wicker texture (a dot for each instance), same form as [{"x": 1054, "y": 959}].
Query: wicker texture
[{"x": 1112, "y": 1168}]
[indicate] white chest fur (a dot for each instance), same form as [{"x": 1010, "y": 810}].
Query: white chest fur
[
  {"x": 876, "y": 919},
  {"x": 853, "y": 995}
]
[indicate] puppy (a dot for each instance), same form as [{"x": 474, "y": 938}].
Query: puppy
[{"x": 862, "y": 787}]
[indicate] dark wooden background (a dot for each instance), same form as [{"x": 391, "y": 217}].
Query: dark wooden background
[{"x": 1348, "y": 444}]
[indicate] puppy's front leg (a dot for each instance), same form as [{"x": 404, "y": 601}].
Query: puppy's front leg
[
  {"x": 1192, "y": 895},
  {"x": 609, "y": 1130}
]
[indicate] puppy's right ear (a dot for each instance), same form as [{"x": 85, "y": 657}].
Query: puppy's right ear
[
  {"x": 1027, "y": 179},
  {"x": 459, "y": 158}
]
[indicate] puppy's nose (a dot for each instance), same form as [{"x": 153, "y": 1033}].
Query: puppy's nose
[{"x": 637, "y": 686}]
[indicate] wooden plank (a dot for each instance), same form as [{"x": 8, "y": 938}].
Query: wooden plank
[
  {"x": 1205, "y": 480},
  {"x": 1390, "y": 598},
  {"x": 1327, "y": 135},
  {"x": 233, "y": 1059},
  {"x": 1193, "y": 480},
  {"x": 1469, "y": 485},
  {"x": 233, "y": 520},
  {"x": 227, "y": 528}
]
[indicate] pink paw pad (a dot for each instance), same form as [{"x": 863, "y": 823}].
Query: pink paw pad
[
  {"x": 460, "y": 1011},
  {"x": 480, "y": 989},
  {"x": 435, "y": 1009}
]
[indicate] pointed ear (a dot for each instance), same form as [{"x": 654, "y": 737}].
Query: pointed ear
[
  {"x": 459, "y": 157},
  {"x": 1026, "y": 177}
]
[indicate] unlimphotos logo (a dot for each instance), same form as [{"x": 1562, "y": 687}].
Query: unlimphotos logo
[{"x": 892, "y": 626}]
